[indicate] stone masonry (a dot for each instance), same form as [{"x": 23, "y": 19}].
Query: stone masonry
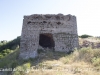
[{"x": 48, "y": 31}]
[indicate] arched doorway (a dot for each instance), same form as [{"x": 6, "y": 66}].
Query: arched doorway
[{"x": 46, "y": 40}]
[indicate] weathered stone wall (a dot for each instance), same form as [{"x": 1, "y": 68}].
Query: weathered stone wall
[{"x": 62, "y": 27}]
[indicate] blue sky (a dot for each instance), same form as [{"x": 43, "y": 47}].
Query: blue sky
[{"x": 12, "y": 12}]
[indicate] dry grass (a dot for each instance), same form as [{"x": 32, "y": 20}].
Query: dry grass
[{"x": 81, "y": 62}]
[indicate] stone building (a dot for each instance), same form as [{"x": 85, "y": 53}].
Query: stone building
[{"x": 48, "y": 31}]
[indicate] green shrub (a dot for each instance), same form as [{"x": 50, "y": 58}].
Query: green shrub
[
  {"x": 86, "y": 54},
  {"x": 96, "y": 53},
  {"x": 11, "y": 44},
  {"x": 1, "y": 56},
  {"x": 4, "y": 54},
  {"x": 8, "y": 60},
  {"x": 85, "y": 36},
  {"x": 21, "y": 70},
  {"x": 96, "y": 61}
]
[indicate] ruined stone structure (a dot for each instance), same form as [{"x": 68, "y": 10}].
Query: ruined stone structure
[{"x": 48, "y": 31}]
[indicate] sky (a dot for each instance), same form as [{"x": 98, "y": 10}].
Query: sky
[{"x": 87, "y": 13}]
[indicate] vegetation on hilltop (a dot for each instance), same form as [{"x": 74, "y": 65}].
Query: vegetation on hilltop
[
  {"x": 10, "y": 45},
  {"x": 85, "y": 36}
]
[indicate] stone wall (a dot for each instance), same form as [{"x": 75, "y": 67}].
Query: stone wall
[{"x": 62, "y": 27}]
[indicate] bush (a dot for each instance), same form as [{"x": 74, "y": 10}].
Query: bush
[
  {"x": 22, "y": 70},
  {"x": 1, "y": 56},
  {"x": 5, "y": 52},
  {"x": 8, "y": 60},
  {"x": 11, "y": 44},
  {"x": 96, "y": 61},
  {"x": 85, "y": 36},
  {"x": 84, "y": 54},
  {"x": 88, "y": 55}
]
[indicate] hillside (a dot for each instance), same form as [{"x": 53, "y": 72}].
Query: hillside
[
  {"x": 10, "y": 44},
  {"x": 84, "y": 61}
]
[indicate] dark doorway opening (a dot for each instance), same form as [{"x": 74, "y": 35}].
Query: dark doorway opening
[{"x": 46, "y": 40}]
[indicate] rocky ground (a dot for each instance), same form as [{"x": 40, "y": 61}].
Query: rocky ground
[{"x": 89, "y": 42}]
